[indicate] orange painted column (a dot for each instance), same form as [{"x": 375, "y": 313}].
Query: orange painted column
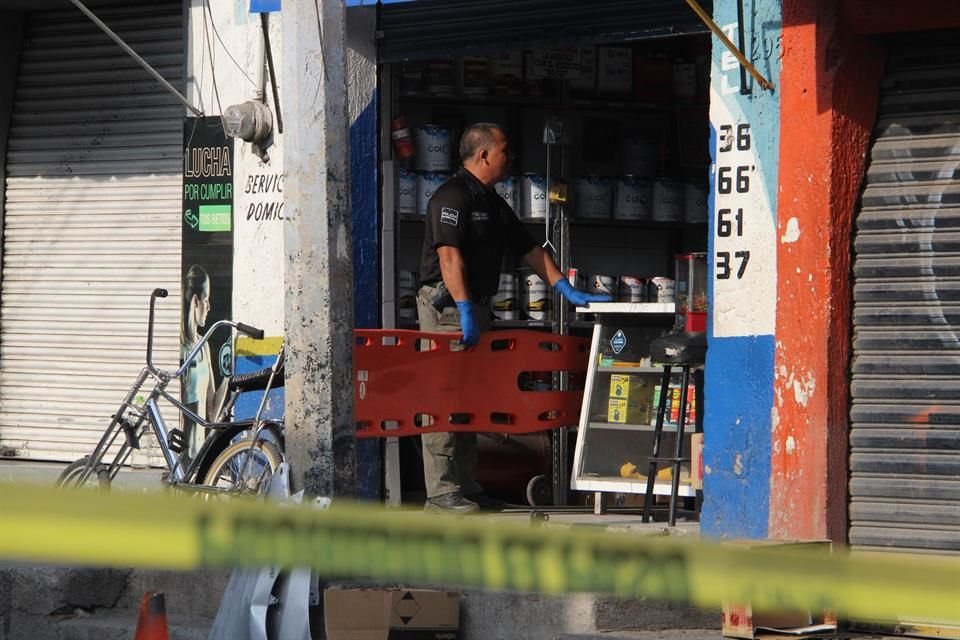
[{"x": 828, "y": 88}]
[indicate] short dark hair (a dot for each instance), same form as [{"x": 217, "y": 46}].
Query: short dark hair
[{"x": 476, "y": 137}]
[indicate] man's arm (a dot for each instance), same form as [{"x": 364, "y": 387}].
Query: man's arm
[
  {"x": 454, "y": 272},
  {"x": 541, "y": 262},
  {"x": 543, "y": 265}
]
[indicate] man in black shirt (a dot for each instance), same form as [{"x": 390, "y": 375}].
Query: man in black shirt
[{"x": 468, "y": 227}]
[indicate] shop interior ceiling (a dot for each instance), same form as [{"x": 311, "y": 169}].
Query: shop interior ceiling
[
  {"x": 45, "y": 5},
  {"x": 430, "y": 28}
]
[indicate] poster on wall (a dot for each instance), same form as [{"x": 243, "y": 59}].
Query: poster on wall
[{"x": 207, "y": 264}]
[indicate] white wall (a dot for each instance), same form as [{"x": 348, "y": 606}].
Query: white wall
[{"x": 224, "y": 53}]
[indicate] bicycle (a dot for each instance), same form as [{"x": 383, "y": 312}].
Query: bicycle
[{"x": 235, "y": 457}]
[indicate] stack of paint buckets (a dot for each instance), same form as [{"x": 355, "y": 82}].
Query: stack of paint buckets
[
  {"x": 526, "y": 195},
  {"x": 433, "y": 168},
  {"x": 625, "y": 288},
  {"x": 522, "y": 295},
  {"x": 407, "y": 285},
  {"x": 640, "y": 194}
]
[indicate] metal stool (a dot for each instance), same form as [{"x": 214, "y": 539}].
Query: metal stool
[{"x": 688, "y": 351}]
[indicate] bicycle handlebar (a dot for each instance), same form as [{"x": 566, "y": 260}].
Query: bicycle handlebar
[
  {"x": 156, "y": 293},
  {"x": 251, "y": 331}
]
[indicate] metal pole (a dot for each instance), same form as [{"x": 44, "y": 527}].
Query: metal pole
[
  {"x": 318, "y": 271},
  {"x": 133, "y": 54},
  {"x": 717, "y": 31}
]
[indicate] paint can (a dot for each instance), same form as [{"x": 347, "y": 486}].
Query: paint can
[
  {"x": 509, "y": 191},
  {"x": 694, "y": 202},
  {"x": 506, "y": 306},
  {"x": 407, "y": 192},
  {"x": 640, "y": 156},
  {"x": 407, "y": 295},
  {"x": 631, "y": 289},
  {"x": 667, "y": 200},
  {"x": 603, "y": 285},
  {"x": 632, "y": 200},
  {"x": 506, "y": 68},
  {"x": 534, "y": 195},
  {"x": 661, "y": 289},
  {"x": 474, "y": 78},
  {"x": 536, "y": 296},
  {"x": 594, "y": 197},
  {"x": 438, "y": 77},
  {"x": 433, "y": 147},
  {"x": 427, "y": 183}
]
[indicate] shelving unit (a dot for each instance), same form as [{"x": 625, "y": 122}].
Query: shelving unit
[{"x": 606, "y": 449}]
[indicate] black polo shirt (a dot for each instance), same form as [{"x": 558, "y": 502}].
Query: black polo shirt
[{"x": 465, "y": 214}]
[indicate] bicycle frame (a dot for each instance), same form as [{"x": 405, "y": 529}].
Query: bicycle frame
[{"x": 134, "y": 418}]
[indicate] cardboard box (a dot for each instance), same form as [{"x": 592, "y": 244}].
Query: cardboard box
[
  {"x": 391, "y": 614},
  {"x": 587, "y": 82},
  {"x": 673, "y": 406},
  {"x": 630, "y": 387},
  {"x": 628, "y": 411},
  {"x": 739, "y": 620},
  {"x": 614, "y": 70},
  {"x": 696, "y": 461}
]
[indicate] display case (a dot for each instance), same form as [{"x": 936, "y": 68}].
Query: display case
[{"x": 616, "y": 429}]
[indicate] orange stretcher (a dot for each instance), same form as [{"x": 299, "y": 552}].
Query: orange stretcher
[{"x": 412, "y": 382}]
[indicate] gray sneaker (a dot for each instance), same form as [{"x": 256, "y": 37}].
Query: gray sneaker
[{"x": 452, "y": 503}]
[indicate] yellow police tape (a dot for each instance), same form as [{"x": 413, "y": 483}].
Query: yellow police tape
[{"x": 351, "y": 540}]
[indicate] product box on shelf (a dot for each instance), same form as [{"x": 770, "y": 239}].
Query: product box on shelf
[
  {"x": 614, "y": 70},
  {"x": 586, "y": 83},
  {"x": 696, "y": 461},
  {"x": 673, "y": 406},
  {"x": 628, "y": 411},
  {"x": 629, "y": 386}
]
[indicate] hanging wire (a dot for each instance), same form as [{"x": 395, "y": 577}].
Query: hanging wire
[
  {"x": 213, "y": 74},
  {"x": 323, "y": 58},
  {"x": 213, "y": 25}
]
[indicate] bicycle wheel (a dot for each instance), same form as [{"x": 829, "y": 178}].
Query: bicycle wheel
[
  {"x": 242, "y": 470},
  {"x": 70, "y": 476}
]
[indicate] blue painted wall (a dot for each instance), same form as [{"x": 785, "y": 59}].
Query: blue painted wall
[
  {"x": 739, "y": 372},
  {"x": 364, "y": 194}
]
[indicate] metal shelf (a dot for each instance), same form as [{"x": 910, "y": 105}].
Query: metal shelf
[
  {"x": 521, "y": 324},
  {"x": 631, "y": 369},
  {"x": 630, "y": 485},
  {"x": 629, "y": 307},
  {"x": 618, "y": 426}
]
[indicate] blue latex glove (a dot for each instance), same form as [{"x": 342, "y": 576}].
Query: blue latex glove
[
  {"x": 471, "y": 334},
  {"x": 577, "y": 297}
]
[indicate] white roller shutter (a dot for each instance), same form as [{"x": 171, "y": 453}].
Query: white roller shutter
[{"x": 91, "y": 224}]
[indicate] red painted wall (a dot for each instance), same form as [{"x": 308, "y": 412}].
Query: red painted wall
[{"x": 829, "y": 87}]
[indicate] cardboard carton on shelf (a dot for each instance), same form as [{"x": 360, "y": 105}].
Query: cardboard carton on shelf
[
  {"x": 628, "y": 411},
  {"x": 630, "y": 387},
  {"x": 391, "y": 613}
]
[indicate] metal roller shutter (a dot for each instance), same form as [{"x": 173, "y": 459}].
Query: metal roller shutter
[
  {"x": 91, "y": 224},
  {"x": 905, "y": 417},
  {"x": 441, "y": 28}
]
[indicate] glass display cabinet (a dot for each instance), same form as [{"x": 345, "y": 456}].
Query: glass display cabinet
[{"x": 617, "y": 418}]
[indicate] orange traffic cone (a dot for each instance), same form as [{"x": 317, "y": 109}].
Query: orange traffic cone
[{"x": 152, "y": 624}]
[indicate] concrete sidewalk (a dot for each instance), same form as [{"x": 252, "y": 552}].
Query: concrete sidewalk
[{"x": 46, "y": 473}]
